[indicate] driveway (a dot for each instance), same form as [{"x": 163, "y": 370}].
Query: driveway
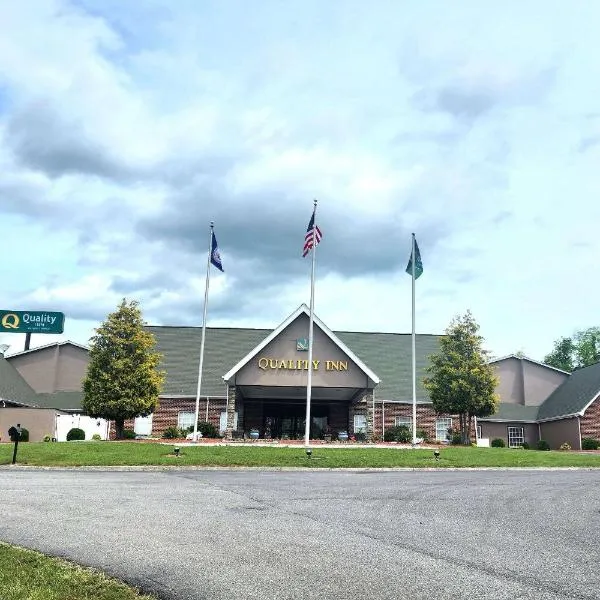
[{"x": 267, "y": 534}]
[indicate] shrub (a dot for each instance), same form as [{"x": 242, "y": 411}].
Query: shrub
[
  {"x": 75, "y": 434},
  {"x": 525, "y": 445},
  {"x": 590, "y": 444},
  {"x": 565, "y": 446},
  {"x": 47, "y": 438},
  {"x": 208, "y": 430},
  {"x": 498, "y": 443},
  {"x": 172, "y": 432},
  {"x": 96, "y": 437},
  {"x": 543, "y": 445},
  {"x": 456, "y": 439},
  {"x": 360, "y": 436},
  {"x": 399, "y": 433},
  {"x": 129, "y": 434},
  {"x": 24, "y": 435},
  {"x": 421, "y": 433}
]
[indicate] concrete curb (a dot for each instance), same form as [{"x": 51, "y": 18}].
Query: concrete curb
[{"x": 158, "y": 468}]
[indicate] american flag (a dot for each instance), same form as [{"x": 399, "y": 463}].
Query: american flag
[{"x": 308, "y": 238}]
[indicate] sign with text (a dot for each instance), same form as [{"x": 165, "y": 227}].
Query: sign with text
[{"x": 19, "y": 321}]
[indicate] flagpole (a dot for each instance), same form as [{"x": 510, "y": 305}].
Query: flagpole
[
  {"x": 201, "y": 363},
  {"x": 414, "y": 358},
  {"x": 310, "y": 329}
]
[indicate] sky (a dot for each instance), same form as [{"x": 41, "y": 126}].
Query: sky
[{"x": 126, "y": 128}]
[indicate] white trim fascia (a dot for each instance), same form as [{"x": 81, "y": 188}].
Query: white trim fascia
[
  {"x": 45, "y": 346},
  {"x": 489, "y": 420},
  {"x": 187, "y": 397},
  {"x": 18, "y": 403},
  {"x": 569, "y": 416},
  {"x": 582, "y": 411},
  {"x": 419, "y": 402},
  {"x": 302, "y": 309},
  {"x": 531, "y": 360}
]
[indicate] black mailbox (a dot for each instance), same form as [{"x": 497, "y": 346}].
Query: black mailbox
[{"x": 15, "y": 433}]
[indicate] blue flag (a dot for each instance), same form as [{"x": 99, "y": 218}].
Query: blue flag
[
  {"x": 215, "y": 257},
  {"x": 418, "y": 263}
]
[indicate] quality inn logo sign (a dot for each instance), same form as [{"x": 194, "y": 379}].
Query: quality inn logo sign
[{"x": 18, "y": 321}]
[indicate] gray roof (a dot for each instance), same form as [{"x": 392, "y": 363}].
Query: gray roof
[
  {"x": 578, "y": 390},
  {"x": 60, "y": 400},
  {"x": 513, "y": 412},
  {"x": 387, "y": 354},
  {"x": 13, "y": 386}
]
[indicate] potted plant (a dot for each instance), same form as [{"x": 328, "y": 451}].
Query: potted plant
[{"x": 327, "y": 433}]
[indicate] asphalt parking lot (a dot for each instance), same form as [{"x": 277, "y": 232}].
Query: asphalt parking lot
[{"x": 267, "y": 534}]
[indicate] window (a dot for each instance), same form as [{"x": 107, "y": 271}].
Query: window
[
  {"x": 441, "y": 429},
  {"x": 223, "y": 421},
  {"x": 516, "y": 437},
  {"x": 185, "y": 419},
  {"x": 406, "y": 421},
  {"x": 360, "y": 423},
  {"x": 478, "y": 433}
]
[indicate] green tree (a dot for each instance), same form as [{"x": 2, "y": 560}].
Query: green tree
[
  {"x": 461, "y": 380},
  {"x": 122, "y": 379},
  {"x": 580, "y": 350},
  {"x": 562, "y": 355}
]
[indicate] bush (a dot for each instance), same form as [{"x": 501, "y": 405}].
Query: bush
[
  {"x": 47, "y": 438},
  {"x": 498, "y": 443},
  {"x": 75, "y": 434},
  {"x": 128, "y": 434},
  {"x": 565, "y": 446},
  {"x": 173, "y": 432},
  {"x": 96, "y": 437},
  {"x": 590, "y": 444},
  {"x": 421, "y": 433},
  {"x": 456, "y": 439},
  {"x": 525, "y": 446},
  {"x": 399, "y": 433},
  {"x": 208, "y": 430},
  {"x": 543, "y": 445}
]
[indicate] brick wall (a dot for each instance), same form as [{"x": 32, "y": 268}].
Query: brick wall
[
  {"x": 169, "y": 408},
  {"x": 426, "y": 417},
  {"x": 590, "y": 422}
]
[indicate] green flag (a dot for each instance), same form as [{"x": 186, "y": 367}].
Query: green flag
[{"x": 418, "y": 263}]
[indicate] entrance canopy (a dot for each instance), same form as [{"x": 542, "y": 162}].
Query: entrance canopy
[{"x": 278, "y": 367}]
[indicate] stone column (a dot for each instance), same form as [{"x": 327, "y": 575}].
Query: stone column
[
  {"x": 231, "y": 406},
  {"x": 368, "y": 400}
]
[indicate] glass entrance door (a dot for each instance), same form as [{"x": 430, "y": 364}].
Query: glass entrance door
[{"x": 287, "y": 421}]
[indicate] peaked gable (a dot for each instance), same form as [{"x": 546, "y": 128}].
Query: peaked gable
[
  {"x": 298, "y": 362},
  {"x": 13, "y": 387}
]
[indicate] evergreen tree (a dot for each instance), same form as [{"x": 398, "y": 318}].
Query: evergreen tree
[
  {"x": 122, "y": 380},
  {"x": 461, "y": 380}
]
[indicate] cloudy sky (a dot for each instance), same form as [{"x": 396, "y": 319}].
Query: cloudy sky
[{"x": 126, "y": 127}]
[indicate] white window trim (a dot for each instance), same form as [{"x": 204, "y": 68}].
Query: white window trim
[
  {"x": 448, "y": 422},
  {"x": 187, "y": 413},
  {"x": 399, "y": 421},
  {"x": 360, "y": 428},
  {"x": 519, "y": 437},
  {"x": 223, "y": 421}
]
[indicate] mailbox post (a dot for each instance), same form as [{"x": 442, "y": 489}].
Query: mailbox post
[{"x": 15, "y": 436}]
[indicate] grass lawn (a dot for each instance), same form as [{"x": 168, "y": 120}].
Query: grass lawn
[
  {"x": 137, "y": 453},
  {"x": 28, "y": 575}
]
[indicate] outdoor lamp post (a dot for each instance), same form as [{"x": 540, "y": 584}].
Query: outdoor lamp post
[{"x": 436, "y": 453}]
